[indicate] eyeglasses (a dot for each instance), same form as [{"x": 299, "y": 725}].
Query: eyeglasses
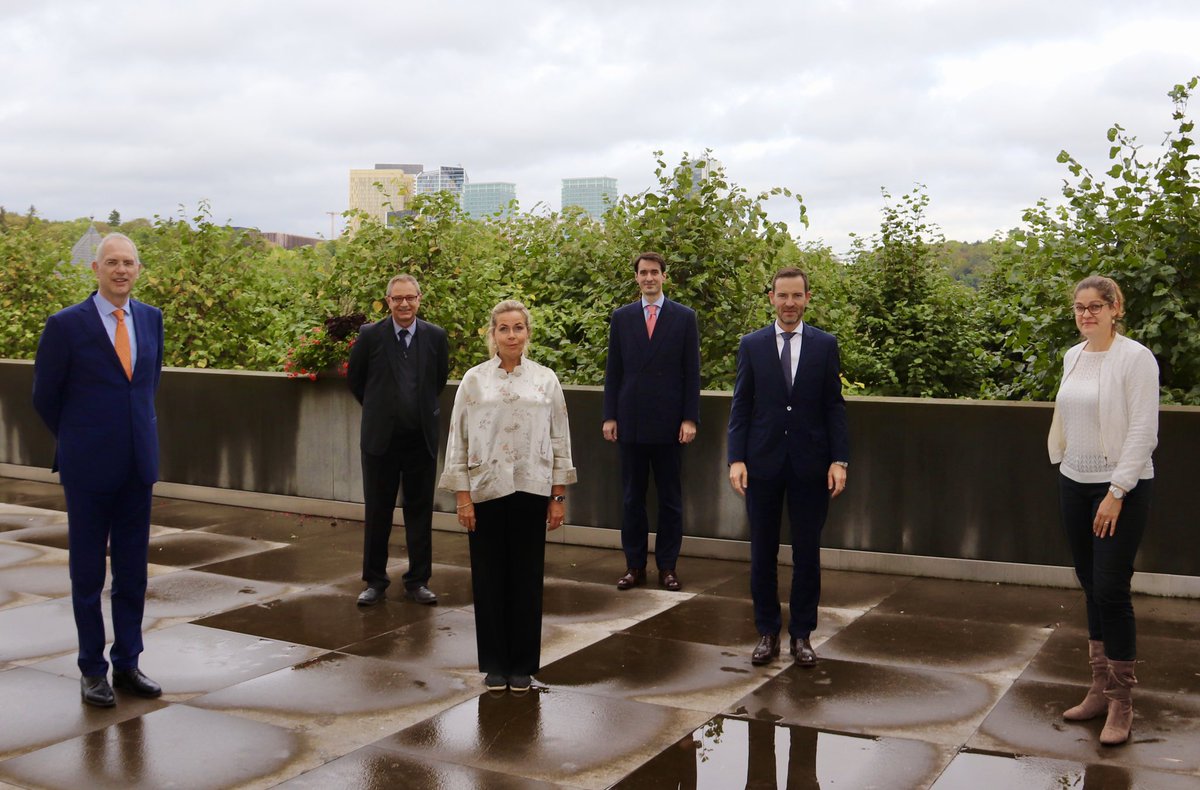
[
  {"x": 1094, "y": 308},
  {"x": 404, "y": 299}
]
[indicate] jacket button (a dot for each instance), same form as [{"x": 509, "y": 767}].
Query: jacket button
[{"x": 789, "y": 408}]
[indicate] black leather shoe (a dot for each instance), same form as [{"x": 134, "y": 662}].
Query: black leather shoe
[
  {"x": 96, "y": 691},
  {"x": 494, "y": 681},
  {"x": 669, "y": 580},
  {"x": 803, "y": 653},
  {"x": 422, "y": 595},
  {"x": 767, "y": 650},
  {"x": 135, "y": 682},
  {"x": 632, "y": 578},
  {"x": 519, "y": 684},
  {"x": 371, "y": 596}
]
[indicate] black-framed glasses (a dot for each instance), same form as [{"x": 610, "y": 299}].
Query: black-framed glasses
[
  {"x": 1094, "y": 308},
  {"x": 405, "y": 299}
]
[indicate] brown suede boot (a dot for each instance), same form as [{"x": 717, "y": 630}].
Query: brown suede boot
[
  {"x": 1094, "y": 704},
  {"x": 1120, "y": 703}
]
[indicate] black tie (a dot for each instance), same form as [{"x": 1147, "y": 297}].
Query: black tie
[
  {"x": 785, "y": 359},
  {"x": 402, "y": 336}
]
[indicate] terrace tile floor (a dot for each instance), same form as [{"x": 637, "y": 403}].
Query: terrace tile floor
[{"x": 273, "y": 677}]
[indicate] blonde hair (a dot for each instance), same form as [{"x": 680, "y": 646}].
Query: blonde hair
[
  {"x": 1110, "y": 292},
  {"x": 507, "y": 306}
]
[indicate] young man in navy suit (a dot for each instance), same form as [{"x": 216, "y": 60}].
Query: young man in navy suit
[
  {"x": 787, "y": 438},
  {"x": 95, "y": 377},
  {"x": 651, "y": 409}
]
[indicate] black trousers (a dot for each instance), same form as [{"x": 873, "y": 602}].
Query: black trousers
[
  {"x": 1104, "y": 566},
  {"x": 113, "y": 523},
  {"x": 808, "y": 505},
  {"x": 406, "y": 461},
  {"x": 637, "y": 460},
  {"x": 508, "y": 557}
]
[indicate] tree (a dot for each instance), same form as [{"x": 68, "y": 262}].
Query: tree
[
  {"x": 913, "y": 328},
  {"x": 1142, "y": 228},
  {"x": 114, "y": 218}
]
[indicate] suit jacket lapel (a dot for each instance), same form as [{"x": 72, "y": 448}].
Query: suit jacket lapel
[
  {"x": 808, "y": 356},
  {"x": 93, "y": 325}
]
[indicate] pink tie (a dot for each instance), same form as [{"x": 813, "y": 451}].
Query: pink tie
[{"x": 653, "y": 309}]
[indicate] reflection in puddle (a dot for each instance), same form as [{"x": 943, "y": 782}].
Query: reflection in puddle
[{"x": 729, "y": 752}]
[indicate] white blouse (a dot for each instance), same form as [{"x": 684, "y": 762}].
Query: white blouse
[{"x": 508, "y": 432}]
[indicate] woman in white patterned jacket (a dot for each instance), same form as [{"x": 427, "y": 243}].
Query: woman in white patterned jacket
[{"x": 508, "y": 460}]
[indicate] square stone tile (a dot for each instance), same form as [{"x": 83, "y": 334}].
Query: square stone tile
[
  {"x": 451, "y": 583},
  {"x": 40, "y": 709},
  {"x": 187, "y": 660},
  {"x": 729, "y": 622},
  {"x": 727, "y": 752},
  {"x": 41, "y": 630},
  {"x": 56, "y": 535},
  {"x": 15, "y": 517},
  {"x": 271, "y": 525},
  {"x": 379, "y": 768},
  {"x": 46, "y": 574},
  {"x": 847, "y": 696},
  {"x": 661, "y": 671},
  {"x": 32, "y": 493},
  {"x": 325, "y": 617},
  {"x": 574, "y": 602},
  {"x": 192, "y": 594},
  {"x": 937, "y": 643},
  {"x": 839, "y": 589},
  {"x": 449, "y": 548},
  {"x": 444, "y": 641},
  {"x": 971, "y": 771},
  {"x": 297, "y": 564},
  {"x": 1028, "y": 721},
  {"x": 190, "y": 549},
  {"x": 176, "y": 746},
  {"x": 1178, "y": 618},
  {"x": 1164, "y": 664},
  {"x": 16, "y": 553},
  {"x": 342, "y": 702},
  {"x": 10, "y": 600},
  {"x": 190, "y": 514},
  {"x": 547, "y": 734},
  {"x": 1014, "y": 604}
]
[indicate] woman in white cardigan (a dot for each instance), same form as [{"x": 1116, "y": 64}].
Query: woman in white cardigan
[
  {"x": 508, "y": 460},
  {"x": 1104, "y": 430}
]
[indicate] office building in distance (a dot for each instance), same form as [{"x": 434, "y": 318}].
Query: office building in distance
[
  {"x": 488, "y": 199},
  {"x": 594, "y": 195},
  {"x": 443, "y": 179},
  {"x": 382, "y": 190}
]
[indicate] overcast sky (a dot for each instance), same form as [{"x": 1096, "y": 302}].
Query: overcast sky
[{"x": 261, "y": 108}]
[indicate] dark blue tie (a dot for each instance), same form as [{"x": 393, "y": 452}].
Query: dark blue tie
[{"x": 785, "y": 359}]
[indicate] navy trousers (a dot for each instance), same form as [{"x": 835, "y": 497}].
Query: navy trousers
[
  {"x": 808, "y": 504},
  {"x": 97, "y": 524},
  {"x": 637, "y": 461}
]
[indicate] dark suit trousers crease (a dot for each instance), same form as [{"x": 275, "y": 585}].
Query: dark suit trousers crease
[
  {"x": 405, "y": 465},
  {"x": 508, "y": 556},
  {"x": 637, "y": 461},
  {"x": 116, "y": 522},
  {"x": 808, "y": 504}
]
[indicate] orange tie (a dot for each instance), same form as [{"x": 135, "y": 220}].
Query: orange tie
[
  {"x": 653, "y": 308},
  {"x": 121, "y": 341}
]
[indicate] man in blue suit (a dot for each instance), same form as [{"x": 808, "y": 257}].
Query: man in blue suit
[
  {"x": 787, "y": 439},
  {"x": 651, "y": 409},
  {"x": 96, "y": 373}
]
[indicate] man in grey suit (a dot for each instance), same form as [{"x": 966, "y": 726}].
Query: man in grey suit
[{"x": 398, "y": 368}]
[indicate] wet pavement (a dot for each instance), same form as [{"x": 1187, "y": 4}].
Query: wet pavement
[{"x": 273, "y": 677}]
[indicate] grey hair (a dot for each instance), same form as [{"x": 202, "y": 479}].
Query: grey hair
[
  {"x": 116, "y": 237},
  {"x": 402, "y": 278},
  {"x": 507, "y": 306}
]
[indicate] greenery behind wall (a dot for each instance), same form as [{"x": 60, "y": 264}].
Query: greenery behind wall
[{"x": 915, "y": 314}]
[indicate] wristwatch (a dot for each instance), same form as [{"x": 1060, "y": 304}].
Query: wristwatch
[
  {"x": 1117, "y": 493},
  {"x": 558, "y": 498}
]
